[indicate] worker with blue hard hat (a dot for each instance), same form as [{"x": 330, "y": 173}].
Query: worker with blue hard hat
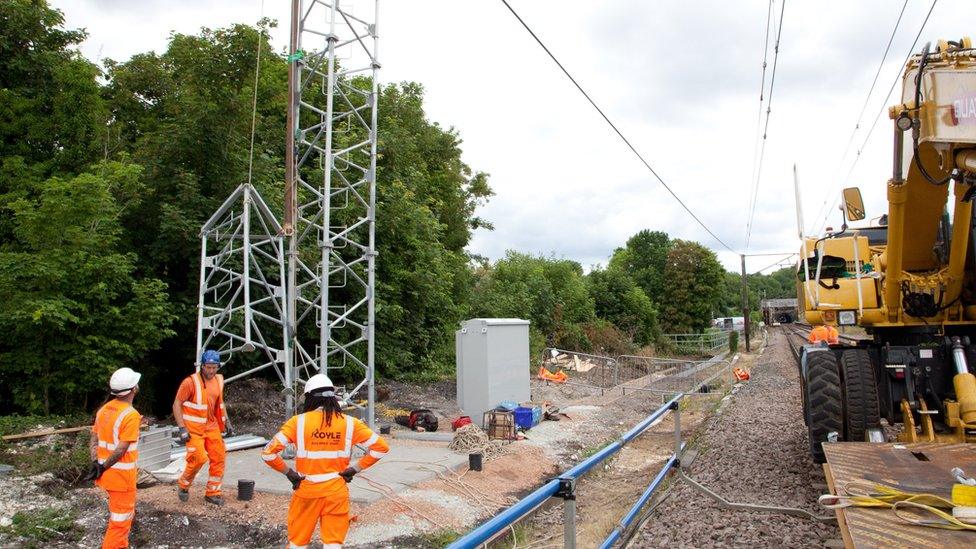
[{"x": 202, "y": 417}]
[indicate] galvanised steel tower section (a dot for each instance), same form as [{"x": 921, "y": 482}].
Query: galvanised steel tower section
[{"x": 330, "y": 195}]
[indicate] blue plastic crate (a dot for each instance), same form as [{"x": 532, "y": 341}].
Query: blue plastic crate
[
  {"x": 523, "y": 417},
  {"x": 536, "y": 415}
]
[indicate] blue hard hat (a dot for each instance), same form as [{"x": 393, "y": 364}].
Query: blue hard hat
[{"x": 210, "y": 356}]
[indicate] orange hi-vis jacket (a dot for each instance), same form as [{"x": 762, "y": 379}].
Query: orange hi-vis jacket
[
  {"x": 323, "y": 451},
  {"x": 824, "y": 333},
  {"x": 115, "y": 422},
  {"x": 195, "y": 409}
]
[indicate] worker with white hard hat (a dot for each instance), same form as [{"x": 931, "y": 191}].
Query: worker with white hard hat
[
  {"x": 200, "y": 414},
  {"x": 323, "y": 437},
  {"x": 115, "y": 435}
]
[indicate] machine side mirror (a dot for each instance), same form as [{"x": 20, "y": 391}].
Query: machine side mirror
[{"x": 853, "y": 204}]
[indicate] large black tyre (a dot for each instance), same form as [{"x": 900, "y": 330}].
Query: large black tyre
[
  {"x": 860, "y": 392},
  {"x": 824, "y": 401}
]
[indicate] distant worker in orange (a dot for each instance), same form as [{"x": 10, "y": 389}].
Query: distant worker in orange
[
  {"x": 323, "y": 437},
  {"x": 115, "y": 436},
  {"x": 824, "y": 333},
  {"x": 202, "y": 417}
]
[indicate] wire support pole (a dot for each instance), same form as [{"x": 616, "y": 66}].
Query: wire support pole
[
  {"x": 325, "y": 242},
  {"x": 745, "y": 302},
  {"x": 371, "y": 252}
]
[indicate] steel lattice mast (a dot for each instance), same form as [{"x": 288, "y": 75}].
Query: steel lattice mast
[
  {"x": 330, "y": 195},
  {"x": 306, "y": 305},
  {"x": 241, "y": 304}
]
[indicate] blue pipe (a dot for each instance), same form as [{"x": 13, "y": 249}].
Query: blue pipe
[
  {"x": 499, "y": 522},
  {"x": 632, "y": 514},
  {"x": 584, "y": 466}
]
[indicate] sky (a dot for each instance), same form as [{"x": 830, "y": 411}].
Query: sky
[{"x": 680, "y": 79}]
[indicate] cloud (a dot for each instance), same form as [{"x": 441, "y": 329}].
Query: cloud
[{"x": 679, "y": 78}]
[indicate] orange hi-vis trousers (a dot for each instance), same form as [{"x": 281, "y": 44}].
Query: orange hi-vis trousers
[
  {"x": 121, "y": 508},
  {"x": 331, "y": 512},
  {"x": 199, "y": 449}
]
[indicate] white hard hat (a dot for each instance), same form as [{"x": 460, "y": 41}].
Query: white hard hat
[
  {"x": 123, "y": 381},
  {"x": 316, "y": 382}
]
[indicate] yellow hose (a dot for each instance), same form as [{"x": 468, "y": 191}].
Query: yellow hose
[{"x": 907, "y": 506}]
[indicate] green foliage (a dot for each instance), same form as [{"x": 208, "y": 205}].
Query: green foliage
[
  {"x": 15, "y": 424},
  {"x": 550, "y": 293},
  {"x": 74, "y": 307},
  {"x": 622, "y": 302},
  {"x": 778, "y": 284},
  {"x": 693, "y": 276},
  {"x": 67, "y": 455},
  {"x": 99, "y": 262},
  {"x": 733, "y": 342},
  {"x": 644, "y": 258},
  {"x": 51, "y": 114},
  {"x": 439, "y": 539},
  {"x": 40, "y": 526}
]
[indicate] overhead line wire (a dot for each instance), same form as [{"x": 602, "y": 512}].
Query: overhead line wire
[
  {"x": 769, "y": 110},
  {"x": 762, "y": 99},
  {"x": 867, "y": 99},
  {"x": 616, "y": 130},
  {"x": 781, "y": 260},
  {"x": 884, "y": 106}
]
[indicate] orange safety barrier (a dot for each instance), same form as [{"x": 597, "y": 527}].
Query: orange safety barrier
[
  {"x": 546, "y": 375},
  {"x": 740, "y": 374}
]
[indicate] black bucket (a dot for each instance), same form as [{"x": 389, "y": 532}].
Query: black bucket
[
  {"x": 474, "y": 462},
  {"x": 245, "y": 490}
]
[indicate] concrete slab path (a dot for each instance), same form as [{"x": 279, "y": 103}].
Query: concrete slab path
[{"x": 406, "y": 465}]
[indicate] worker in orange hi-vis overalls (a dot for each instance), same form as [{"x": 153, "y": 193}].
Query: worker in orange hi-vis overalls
[
  {"x": 323, "y": 437},
  {"x": 115, "y": 436},
  {"x": 824, "y": 333},
  {"x": 202, "y": 417}
]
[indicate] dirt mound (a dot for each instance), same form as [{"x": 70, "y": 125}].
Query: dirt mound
[{"x": 255, "y": 406}]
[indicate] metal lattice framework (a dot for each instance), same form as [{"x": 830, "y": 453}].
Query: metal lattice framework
[
  {"x": 330, "y": 192},
  {"x": 242, "y": 284},
  {"x": 308, "y": 308}
]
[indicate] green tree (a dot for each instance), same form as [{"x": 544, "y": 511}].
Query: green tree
[
  {"x": 694, "y": 284},
  {"x": 51, "y": 114},
  {"x": 644, "y": 258},
  {"x": 74, "y": 309},
  {"x": 621, "y": 301},
  {"x": 550, "y": 293},
  {"x": 185, "y": 114}
]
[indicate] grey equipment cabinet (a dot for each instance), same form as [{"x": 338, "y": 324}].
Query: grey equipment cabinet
[{"x": 492, "y": 364}]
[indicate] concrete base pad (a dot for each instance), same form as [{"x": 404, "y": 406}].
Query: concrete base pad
[{"x": 405, "y": 465}]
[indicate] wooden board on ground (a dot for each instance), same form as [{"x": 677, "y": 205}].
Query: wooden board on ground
[
  {"x": 922, "y": 467},
  {"x": 841, "y": 519},
  {"x": 45, "y": 432}
]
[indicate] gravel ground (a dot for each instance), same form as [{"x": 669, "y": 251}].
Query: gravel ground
[{"x": 755, "y": 451}]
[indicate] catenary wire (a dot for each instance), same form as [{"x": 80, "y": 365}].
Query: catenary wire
[
  {"x": 883, "y": 108},
  {"x": 616, "y": 130},
  {"x": 769, "y": 110},
  {"x": 867, "y": 98},
  {"x": 762, "y": 100}
]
